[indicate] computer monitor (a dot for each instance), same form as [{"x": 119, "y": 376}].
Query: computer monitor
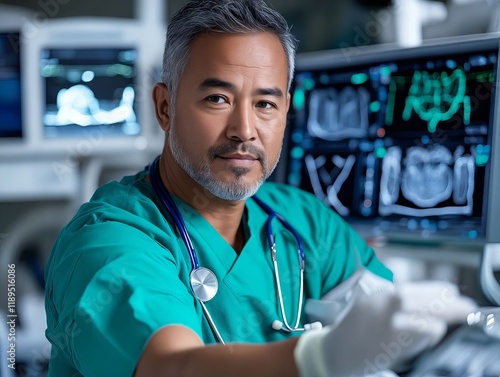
[
  {"x": 90, "y": 81},
  {"x": 10, "y": 85},
  {"x": 401, "y": 142}
]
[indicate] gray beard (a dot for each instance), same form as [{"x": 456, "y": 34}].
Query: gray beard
[{"x": 200, "y": 172}]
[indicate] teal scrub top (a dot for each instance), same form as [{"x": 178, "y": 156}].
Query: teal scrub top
[{"x": 119, "y": 271}]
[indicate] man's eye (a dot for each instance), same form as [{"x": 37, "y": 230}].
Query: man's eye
[
  {"x": 265, "y": 105},
  {"x": 216, "y": 99}
]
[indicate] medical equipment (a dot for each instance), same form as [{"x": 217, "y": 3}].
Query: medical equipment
[
  {"x": 363, "y": 139},
  {"x": 487, "y": 319},
  {"x": 468, "y": 350},
  {"x": 203, "y": 281},
  {"x": 92, "y": 102}
]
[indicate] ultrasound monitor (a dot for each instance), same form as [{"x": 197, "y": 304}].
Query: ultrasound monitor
[
  {"x": 90, "y": 80},
  {"x": 400, "y": 142},
  {"x": 88, "y": 89},
  {"x": 10, "y": 86}
]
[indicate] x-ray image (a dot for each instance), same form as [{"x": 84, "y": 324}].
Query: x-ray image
[
  {"x": 79, "y": 105},
  {"x": 327, "y": 183},
  {"x": 90, "y": 89},
  {"x": 433, "y": 180},
  {"x": 347, "y": 180},
  {"x": 336, "y": 115}
]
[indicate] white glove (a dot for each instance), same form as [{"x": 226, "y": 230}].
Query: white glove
[
  {"x": 374, "y": 335},
  {"x": 439, "y": 299},
  {"x": 333, "y": 306}
]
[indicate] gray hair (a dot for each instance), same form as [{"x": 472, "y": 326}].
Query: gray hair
[{"x": 220, "y": 16}]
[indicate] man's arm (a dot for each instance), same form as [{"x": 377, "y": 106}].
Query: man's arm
[
  {"x": 178, "y": 352},
  {"x": 352, "y": 347}
]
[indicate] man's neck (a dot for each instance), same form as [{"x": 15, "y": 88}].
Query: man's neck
[{"x": 228, "y": 223}]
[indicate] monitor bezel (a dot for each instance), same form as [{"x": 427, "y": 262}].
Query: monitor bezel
[
  {"x": 16, "y": 33},
  {"x": 12, "y": 20}
]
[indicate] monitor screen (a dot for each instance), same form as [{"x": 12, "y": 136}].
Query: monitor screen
[
  {"x": 10, "y": 86},
  {"x": 399, "y": 143},
  {"x": 89, "y": 90}
]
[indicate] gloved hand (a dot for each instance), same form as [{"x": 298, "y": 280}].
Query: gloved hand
[
  {"x": 332, "y": 307},
  {"x": 439, "y": 299},
  {"x": 373, "y": 335}
]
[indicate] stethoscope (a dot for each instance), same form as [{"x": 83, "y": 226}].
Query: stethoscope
[{"x": 203, "y": 281}]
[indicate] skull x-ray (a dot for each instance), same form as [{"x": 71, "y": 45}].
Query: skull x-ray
[{"x": 435, "y": 181}]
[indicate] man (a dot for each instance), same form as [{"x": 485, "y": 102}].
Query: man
[{"x": 119, "y": 298}]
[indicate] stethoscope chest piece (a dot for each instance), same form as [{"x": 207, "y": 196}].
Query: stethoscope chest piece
[{"x": 204, "y": 283}]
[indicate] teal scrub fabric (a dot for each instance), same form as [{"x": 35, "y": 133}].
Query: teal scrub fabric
[{"x": 119, "y": 271}]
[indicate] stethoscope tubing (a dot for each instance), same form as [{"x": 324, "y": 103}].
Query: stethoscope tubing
[
  {"x": 169, "y": 204},
  {"x": 270, "y": 237}
]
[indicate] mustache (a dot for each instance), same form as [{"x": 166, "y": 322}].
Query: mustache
[{"x": 225, "y": 149}]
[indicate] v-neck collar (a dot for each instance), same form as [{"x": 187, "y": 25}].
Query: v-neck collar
[{"x": 211, "y": 247}]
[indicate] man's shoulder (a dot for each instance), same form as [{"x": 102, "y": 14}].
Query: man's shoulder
[
  {"x": 119, "y": 200},
  {"x": 119, "y": 213},
  {"x": 131, "y": 186}
]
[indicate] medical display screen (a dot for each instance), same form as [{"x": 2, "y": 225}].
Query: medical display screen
[
  {"x": 10, "y": 86},
  {"x": 402, "y": 147},
  {"x": 89, "y": 91}
]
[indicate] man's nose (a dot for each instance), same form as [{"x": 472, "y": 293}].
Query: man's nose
[{"x": 242, "y": 124}]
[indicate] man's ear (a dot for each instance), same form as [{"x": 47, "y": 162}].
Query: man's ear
[{"x": 161, "y": 101}]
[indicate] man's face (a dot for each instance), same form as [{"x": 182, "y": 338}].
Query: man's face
[{"x": 230, "y": 112}]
